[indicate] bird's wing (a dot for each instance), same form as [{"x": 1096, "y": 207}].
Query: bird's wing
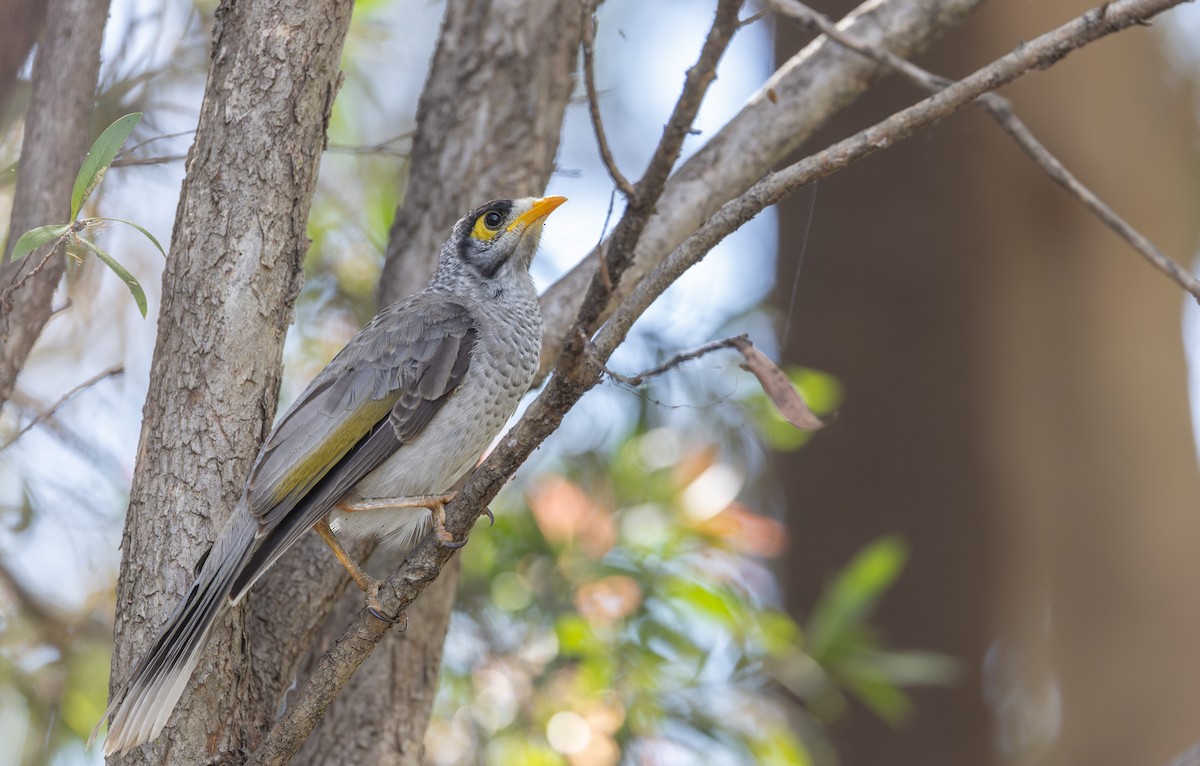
[{"x": 377, "y": 394}]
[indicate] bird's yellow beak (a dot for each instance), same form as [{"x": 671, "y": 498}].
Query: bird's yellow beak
[{"x": 541, "y": 208}]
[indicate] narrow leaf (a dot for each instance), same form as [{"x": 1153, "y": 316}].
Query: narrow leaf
[
  {"x": 779, "y": 388},
  {"x": 139, "y": 296},
  {"x": 35, "y": 238},
  {"x": 103, "y": 152},
  {"x": 838, "y": 615},
  {"x": 149, "y": 236}
]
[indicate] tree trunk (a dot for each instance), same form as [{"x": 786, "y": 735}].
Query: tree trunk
[
  {"x": 57, "y": 127},
  {"x": 1015, "y": 408},
  {"x": 485, "y": 129},
  {"x": 228, "y": 290},
  {"x": 20, "y": 23}
]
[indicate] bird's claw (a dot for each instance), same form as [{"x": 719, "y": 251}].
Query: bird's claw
[
  {"x": 445, "y": 539},
  {"x": 391, "y": 621},
  {"x": 375, "y": 609},
  {"x": 451, "y": 543}
]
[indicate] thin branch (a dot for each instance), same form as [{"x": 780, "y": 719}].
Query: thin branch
[
  {"x": 695, "y": 85},
  {"x": 636, "y": 380},
  {"x": 132, "y": 162},
  {"x": 1036, "y": 54},
  {"x": 57, "y": 310},
  {"x": 126, "y": 159},
  {"x": 618, "y": 253},
  {"x": 547, "y": 411},
  {"x": 1001, "y": 110},
  {"x": 164, "y": 137},
  {"x": 782, "y": 115},
  {"x": 382, "y": 148},
  {"x": 820, "y": 23},
  {"x": 593, "y": 101},
  {"x": 49, "y": 413},
  {"x": 753, "y": 18}
]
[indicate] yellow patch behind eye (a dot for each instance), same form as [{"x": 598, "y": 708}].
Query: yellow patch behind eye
[{"x": 482, "y": 232}]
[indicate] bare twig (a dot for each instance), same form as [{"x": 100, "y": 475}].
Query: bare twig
[
  {"x": 126, "y": 159},
  {"x": 383, "y": 147},
  {"x": 774, "y": 381},
  {"x": 820, "y": 23},
  {"x": 670, "y": 364},
  {"x": 618, "y": 252},
  {"x": 49, "y": 413},
  {"x": 164, "y": 137},
  {"x": 133, "y": 162},
  {"x": 66, "y": 305},
  {"x": 1001, "y": 110},
  {"x": 589, "y": 82},
  {"x": 752, "y": 18}
]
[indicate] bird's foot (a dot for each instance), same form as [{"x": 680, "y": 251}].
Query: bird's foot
[
  {"x": 439, "y": 524},
  {"x": 435, "y": 503},
  {"x": 393, "y": 503},
  {"x": 445, "y": 539}
]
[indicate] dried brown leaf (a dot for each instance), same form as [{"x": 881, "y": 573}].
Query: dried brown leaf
[{"x": 779, "y": 388}]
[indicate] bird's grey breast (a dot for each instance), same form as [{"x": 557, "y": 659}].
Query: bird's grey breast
[{"x": 503, "y": 363}]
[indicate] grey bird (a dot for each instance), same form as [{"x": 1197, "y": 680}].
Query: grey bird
[{"x": 373, "y": 445}]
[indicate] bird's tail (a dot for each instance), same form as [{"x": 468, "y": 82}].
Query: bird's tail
[{"x": 140, "y": 709}]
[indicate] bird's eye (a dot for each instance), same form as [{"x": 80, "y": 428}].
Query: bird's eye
[{"x": 493, "y": 220}]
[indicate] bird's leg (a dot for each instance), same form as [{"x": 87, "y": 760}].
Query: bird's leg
[
  {"x": 435, "y": 503},
  {"x": 365, "y": 582}
]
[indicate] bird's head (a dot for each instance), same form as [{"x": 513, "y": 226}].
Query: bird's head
[{"x": 498, "y": 238}]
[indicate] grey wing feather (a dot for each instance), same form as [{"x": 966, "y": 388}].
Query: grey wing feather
[{"x": 378, "y": 393}]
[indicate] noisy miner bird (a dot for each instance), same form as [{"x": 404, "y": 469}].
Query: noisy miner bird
[{"x": 374, "y": 443}]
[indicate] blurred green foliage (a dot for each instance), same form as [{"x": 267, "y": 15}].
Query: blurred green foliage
[
  {"x": 623, "y": 610},
  {"x": 53, "y": 674}
]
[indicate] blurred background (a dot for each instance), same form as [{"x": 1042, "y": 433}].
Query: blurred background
[{"x": 987, "y": 557}]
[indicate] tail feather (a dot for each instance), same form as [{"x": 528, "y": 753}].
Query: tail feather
[{"x": 140, "y": 709}]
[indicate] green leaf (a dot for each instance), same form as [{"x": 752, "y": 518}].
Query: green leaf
[
  {"x": 102, "y": 153},
  {"x": 35, "y": 238},
  {"x": 885, "y": 699},
  {"x": 917, "y": 668},
  {"x": 139, "y": 296},
  {"x": 149, "y": 236},
  {"x": 839, "y": 615}
]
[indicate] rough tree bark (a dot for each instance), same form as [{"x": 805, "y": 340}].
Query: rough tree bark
[
  {"x": 228, "y": 290},
  {"x": 492, "y": 125},
  {"x": 55, "y": 143}
]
